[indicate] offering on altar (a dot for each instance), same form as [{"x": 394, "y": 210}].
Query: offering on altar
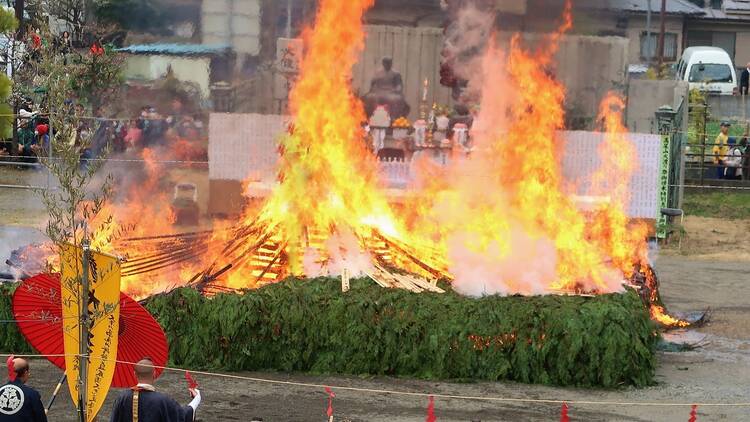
[
  {"x": 420, "y": 133},
  {"x": 461, "y": 135},
  {"x": 442, "y": 123},
  {"x": 380, "y": 118},
  {"x": 401, "y": 123},
  {"x": 401, "y": 128}
]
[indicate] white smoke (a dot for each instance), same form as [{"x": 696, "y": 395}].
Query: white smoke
[
  {"x": 342, "y": 250},
  {"x": 527, "y": 268},
  {"x": 466, "y": 39}
]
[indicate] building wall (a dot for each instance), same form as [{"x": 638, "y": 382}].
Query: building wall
[
  {"x": 637, "y": 26},
  {"x": 742, "y": 55},
  {"x": 188, "y": 69},
  {"x": 630, "y": 27},
  {"x": 742, "y": 42}
]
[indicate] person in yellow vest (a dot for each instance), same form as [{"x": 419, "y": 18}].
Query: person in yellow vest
[{"x": 721, "y": 149}]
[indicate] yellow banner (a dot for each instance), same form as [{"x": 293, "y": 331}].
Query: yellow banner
[{"x": 104, "y": 320}]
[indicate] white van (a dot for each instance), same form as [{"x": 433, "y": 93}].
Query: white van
[{"x": 708, "y": 69}]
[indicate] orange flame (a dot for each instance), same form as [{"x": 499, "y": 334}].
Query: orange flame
[
  {"x": 502, "y": 216},
  {"x": 328, "y": 178}
]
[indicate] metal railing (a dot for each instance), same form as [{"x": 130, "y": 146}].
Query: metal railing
[{"x": 708, "y": 170}]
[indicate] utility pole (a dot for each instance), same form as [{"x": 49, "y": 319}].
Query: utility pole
[
  {"x": 661, "y": 33},
  {"x": 83, "y": 331},
  {"x": 20, "y": 6},
  {"x": 648, "y": 33},
  {"x": 289, "y": 6}
]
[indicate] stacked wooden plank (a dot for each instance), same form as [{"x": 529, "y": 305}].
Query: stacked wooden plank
[{"x": 393, "y": 280}]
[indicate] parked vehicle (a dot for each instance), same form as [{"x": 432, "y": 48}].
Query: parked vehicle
[{"x": 708, "y": 69}]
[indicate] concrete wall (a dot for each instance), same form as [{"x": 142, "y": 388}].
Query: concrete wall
[
  {"x": 233, "y": 22},
  {"x": 725, "y": 107},
  {"x": 589, "y": 67},
  {"x": 644, "y": 97},
  {"x": 188, "y": 69}
]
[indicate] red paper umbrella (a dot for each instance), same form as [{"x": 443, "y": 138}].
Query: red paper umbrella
[{"x": 38, "y": 310}]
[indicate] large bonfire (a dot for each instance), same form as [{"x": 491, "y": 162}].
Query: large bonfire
[{"x": 501, "y": 221}]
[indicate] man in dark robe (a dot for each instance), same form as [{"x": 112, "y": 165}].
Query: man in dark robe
[
  {"x": 18, "y": 402},
  {"x": 143, "y": 403}
]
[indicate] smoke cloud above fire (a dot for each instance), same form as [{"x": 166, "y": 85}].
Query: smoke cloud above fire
[{"x": 466, "y": 38}]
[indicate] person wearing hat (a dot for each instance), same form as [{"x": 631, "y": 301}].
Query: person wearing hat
[
  {"x": 42, "y": 138},
  {"x": 26, "y": 141},
  {"x": 720, "y": 149},
  {"x": 733, "y": 169}
]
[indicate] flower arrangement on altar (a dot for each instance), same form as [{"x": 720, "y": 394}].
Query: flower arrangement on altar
[{"x": 441, "y": 110}]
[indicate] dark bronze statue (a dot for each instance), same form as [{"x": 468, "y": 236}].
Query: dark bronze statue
[{"x": 387, "y": 89}]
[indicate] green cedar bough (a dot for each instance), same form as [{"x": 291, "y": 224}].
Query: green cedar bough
[{"x": 311, "y": 326}]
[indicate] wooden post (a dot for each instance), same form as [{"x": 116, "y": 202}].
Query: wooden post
[
  {"x": 269, "y": 20},
  {"x": 345, "y": 280},
  {"x": 21, "y": 33},
  {"x": 83, "y": 331}
]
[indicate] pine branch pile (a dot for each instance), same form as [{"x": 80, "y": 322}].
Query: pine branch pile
[
  {"x": 310, "y": 326},
  {"x": 11, "y": 340}
]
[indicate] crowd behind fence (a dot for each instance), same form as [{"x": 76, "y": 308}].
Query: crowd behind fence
[{"x": 705, "y": 167}]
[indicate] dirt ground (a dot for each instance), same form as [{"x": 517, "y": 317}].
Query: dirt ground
[
  {"x": 710, "y": 270},
  {"x": 715, "y": 238}
]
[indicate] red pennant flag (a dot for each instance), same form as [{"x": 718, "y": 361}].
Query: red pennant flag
[
  {"x": 11, "y": 368},
  {"x": 192, "y": 383},
  {"x": 693, "y": 413},
  {"x": 331, "y": 395},
  {"x": 564, "y": 413},
  {"x": 431, "y": 410}
]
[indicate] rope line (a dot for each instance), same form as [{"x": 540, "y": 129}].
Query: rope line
[
  {"x": 416, "y": 393},
  {"x": 50, "y": 320}
]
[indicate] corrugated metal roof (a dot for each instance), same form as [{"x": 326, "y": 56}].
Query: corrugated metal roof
[
  {"x": 674, "y": 7},
  {"x": 176, "y": 49},
  {"x": 733, "y": 10},
  {"x": 737, "y": 6}
]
